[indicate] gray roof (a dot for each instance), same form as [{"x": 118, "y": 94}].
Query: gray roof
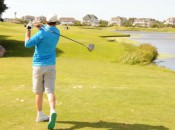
[{"x": 90, "y": 16}]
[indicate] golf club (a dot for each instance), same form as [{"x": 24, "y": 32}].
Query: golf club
[{"x": 90, "y": 47}]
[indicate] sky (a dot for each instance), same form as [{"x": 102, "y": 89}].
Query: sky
[{"x": 103, "y": 9}]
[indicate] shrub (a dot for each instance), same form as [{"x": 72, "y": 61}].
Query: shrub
[
  {"x": 143, "y": 54},
  {"x": 149, "y": 52},
  {"x": 103, "y": 23},
  {"x": 77, "y": 23}
]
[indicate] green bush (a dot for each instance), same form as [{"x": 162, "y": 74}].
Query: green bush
[{"x": 142, "y": 54}]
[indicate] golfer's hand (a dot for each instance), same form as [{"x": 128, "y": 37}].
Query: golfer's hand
[{"x": 29, "y": 26}]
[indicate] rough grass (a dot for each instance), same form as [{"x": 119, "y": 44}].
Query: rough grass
[{"x": 92, "y": 92}]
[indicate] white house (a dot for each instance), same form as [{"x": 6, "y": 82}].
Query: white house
[
  {"x": 28, "y": 18},
  {"x": 90, "y": 19},
  {"x": 170, "y": 21},
  {"x": 117, "y": 21},
  {"x": 41, "y": 19},
  {"x": 67, "y": 21},
  {"x": 143, "y": 22}
]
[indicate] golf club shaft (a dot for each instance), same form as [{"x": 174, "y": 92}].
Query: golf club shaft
[
  {"x": 73, "y": 40},
  {"x": 65, "y": 37}
]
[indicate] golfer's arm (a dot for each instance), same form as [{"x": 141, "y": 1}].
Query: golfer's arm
[{"x": 28, "y": 33}]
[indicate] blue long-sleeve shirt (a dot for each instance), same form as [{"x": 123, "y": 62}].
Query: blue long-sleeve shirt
[{"x": 45, "y": 43}]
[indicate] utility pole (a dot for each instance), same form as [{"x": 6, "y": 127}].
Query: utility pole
[{"x": 15, "y": 15}]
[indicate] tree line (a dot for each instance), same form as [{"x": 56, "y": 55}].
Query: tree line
[{"x": 3, "y": 7}]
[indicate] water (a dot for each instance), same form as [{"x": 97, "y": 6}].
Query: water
[{"x": 164, "y": 42}]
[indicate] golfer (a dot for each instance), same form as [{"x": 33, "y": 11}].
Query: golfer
[{"x": 44, "y": 60}]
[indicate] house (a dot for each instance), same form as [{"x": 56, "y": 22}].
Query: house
[
  {"x": 170, "y": 21},
  {"x": 28, "y": 18},
  {"x": 41, "y": 19},
  {"x": 66, "y": 21},
  {"x": 91, "y": 20},
  {"x": 8, "y": 19},
  {"x": 119, "y": 21},
  {"x": 143, "y": 22}
]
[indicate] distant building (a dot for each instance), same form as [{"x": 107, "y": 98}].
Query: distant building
[
  {"x": 28, "y": 18},
  {"x": 143, "y": 22},
  {"x": 8, "y": 19},
  {"x": 91, "y": 20},
  {"x": 67, "y": 21},
  {"x": 117, "y": 21},
  {"x": 170, "y": 21},
  {"x": 41, "y": 19}
]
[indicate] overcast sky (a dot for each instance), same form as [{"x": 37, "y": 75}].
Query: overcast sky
[{"x": 103, "y": 9}]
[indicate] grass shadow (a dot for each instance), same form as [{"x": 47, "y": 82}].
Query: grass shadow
[
  {"x": 109, "y": 126},
  {"x": 15, "y": 48}
]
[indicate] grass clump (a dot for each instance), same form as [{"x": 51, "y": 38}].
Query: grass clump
[{"x": 142, "y": 54}]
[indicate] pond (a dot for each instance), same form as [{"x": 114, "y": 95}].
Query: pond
[{"x": 164, "y": 42}]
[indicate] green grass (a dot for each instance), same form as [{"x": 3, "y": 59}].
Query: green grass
[{"x": 92, "y": 92}]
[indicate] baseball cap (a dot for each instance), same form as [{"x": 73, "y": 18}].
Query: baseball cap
[{"x": 51, "y": 18}]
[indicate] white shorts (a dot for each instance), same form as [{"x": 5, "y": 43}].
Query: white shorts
[{"x": 44, "y": 79}]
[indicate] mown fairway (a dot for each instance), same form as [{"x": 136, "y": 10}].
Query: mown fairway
[{"x": 93, "y": 90}]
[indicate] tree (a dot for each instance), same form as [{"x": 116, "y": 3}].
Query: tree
[
  {"x": 77, "y": 23},
  {"x": 3, "y": 7},
  {"x": 129, "y": 22},
  {"x": 157, "y": 24},
  {"x": 103, "y": 23}
]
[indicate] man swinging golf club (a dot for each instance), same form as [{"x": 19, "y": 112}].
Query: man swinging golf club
[{"x": 44, "y": 60}]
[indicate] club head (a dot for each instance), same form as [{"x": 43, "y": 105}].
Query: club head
[{"x": 90, "y": 47}]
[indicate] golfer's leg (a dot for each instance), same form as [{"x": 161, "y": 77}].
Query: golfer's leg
[
  {"x": 53, "y": 115},
  {"x": 52, "y": 100},
  {"x": 49, "y": 84},
  {"x": 38, "y": 89},
  {"x": 38, "y": 86},
  {"x": 40, "y": 115},
  {"x": 39, "y": 101}
]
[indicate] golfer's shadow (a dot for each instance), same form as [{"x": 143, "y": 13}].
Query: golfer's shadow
[
  {"x": 16, "y": 48},
  {"x": 108, "y": 125}
]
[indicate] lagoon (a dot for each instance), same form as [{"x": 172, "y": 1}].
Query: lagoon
[{"x": 164, "y": 42}]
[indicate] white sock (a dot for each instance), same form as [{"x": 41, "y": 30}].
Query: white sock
[
  {"x": 40, "y": 113},
  {"x": 52, "y": 110}
]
